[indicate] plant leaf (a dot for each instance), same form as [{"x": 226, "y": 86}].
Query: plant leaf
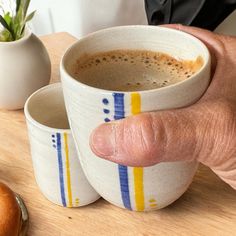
[
  {"x": 4, "y": 23},
  {"x": 15, "y": 24},
  {"x": 18, "y": 3},
  {"x": 8, "y": 18},
  {"x": 5, "y": 36},
  {"x": 7, "y": 29},
  {"x": 30, "y": 16},
  {"x": 18, "y": 22},
  {"x": 25, "y": 5}
]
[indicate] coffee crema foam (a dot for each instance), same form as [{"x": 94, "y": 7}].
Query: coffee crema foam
[{"x": 133, "y": 70}]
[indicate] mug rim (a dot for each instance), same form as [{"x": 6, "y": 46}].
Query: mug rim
[
  {"x": 35, "y": 122},
  {"x": 205, "y": 50}
]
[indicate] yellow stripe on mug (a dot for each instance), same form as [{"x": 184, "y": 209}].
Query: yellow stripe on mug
[
  {"x": 77, "y": 202},
  {"x": 137, "y": 171},
  {"x": 152, "y": 203},
  {"x": 68, "y": 170}
]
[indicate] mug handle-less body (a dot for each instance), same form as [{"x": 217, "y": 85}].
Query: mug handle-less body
[{"x": 139, "y": 189}]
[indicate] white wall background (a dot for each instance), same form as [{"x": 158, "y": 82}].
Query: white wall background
[{"x": 80, "y": 17}]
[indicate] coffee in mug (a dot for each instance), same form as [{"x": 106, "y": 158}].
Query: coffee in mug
[{"x": 133, "y": 70}]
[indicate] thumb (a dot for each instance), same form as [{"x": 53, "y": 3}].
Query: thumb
[{"x": 147, "y": 139}]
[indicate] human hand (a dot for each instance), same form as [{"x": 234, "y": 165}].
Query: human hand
[{"x": 205, "y": 131}]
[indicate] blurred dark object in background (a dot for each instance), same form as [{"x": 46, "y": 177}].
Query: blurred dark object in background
[{"x": 206, "y": 14}]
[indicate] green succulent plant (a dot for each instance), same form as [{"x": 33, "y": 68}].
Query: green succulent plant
[{"x": 14, "y": 25}]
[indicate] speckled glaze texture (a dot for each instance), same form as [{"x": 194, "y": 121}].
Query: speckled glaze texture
[{"x": 139, "y": 189}]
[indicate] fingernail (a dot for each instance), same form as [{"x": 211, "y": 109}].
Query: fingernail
[{"x": 102, "y": 140}]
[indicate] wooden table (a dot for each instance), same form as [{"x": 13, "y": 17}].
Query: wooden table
[{"x": 207, "y": 208}]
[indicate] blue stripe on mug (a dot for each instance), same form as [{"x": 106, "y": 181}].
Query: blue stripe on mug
[
  {"x": 119, "y": 113},
  {"x": 60, "y": 165}
]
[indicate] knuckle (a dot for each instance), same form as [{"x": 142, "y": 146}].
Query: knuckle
[
  {"x": 223, "y": 110},
  {"x": 228, "y": 44},
  {"x": 218, "y": 132},
  {"x": 227, "y": 40}
]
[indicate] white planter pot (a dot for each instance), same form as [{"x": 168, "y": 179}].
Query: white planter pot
[{"x": 24, "y": 67}]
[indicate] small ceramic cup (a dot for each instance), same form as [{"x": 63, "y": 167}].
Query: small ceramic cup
[
  {"x": 56, "y": 164},
  {"x": 139, "y": 189}
]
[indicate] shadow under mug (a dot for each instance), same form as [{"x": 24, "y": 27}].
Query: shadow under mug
[
  {"x": 134, "y": 188},
  {"x": 56, "y": 164}
]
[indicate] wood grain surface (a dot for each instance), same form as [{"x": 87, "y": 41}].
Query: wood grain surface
[{"x": 207, "y": 208}]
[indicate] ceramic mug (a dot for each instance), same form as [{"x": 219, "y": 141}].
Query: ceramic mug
[
  {"x": 139, "y": 189},
  {"x": 57, "y": 169}
]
